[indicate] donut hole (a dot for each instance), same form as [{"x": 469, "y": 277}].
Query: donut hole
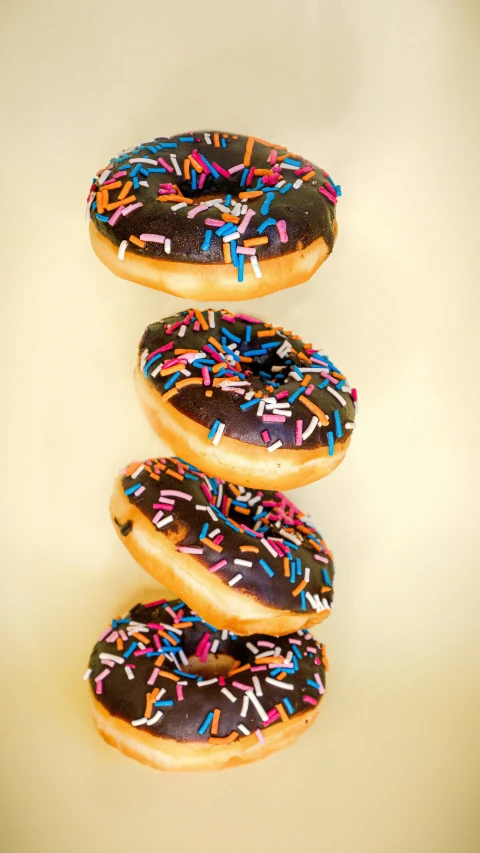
[{"x": 213, "y": 665}]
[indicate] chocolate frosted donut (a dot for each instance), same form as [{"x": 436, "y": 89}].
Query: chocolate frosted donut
[
  {"x": 246, "y": 560},
  {"x": 212, "y": 215},
  {"x": 243, "y": 399},
  {"x": 177, "y": 694}
]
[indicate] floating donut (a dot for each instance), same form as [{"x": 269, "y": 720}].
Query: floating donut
[
  {"x": 177, "y": 694},
  {"x": 245, "y": 560},
  {"x": 244, "y": 400},
  {"x": 212, "y": 216}
]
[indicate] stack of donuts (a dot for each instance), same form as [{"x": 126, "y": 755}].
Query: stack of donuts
[{"x": 226, "y": 670}]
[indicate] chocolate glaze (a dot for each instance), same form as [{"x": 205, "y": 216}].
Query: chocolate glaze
[
  {"x": 308, "y": 213},
  {"x": 287, "y": 548},
  {"x": 206, "y": 404},
  {"x": 127, "y": 698}
]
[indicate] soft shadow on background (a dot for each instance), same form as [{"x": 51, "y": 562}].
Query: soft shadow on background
[{"x": 383, "y": 95}]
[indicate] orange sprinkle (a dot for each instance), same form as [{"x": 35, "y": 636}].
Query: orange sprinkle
[
  {"x": 219, "y": 740},
  {"x": 281, "y": 676},
  {"x": 183, "y": 624},
  {"x": 216, "y": 142},
  {"x": 303, "y": 357},
  {"x": 159, "y": 661},
  {"x": 168, "y": 395},
  {"x": 243, "y": 509},
  {"x": 286, "y": 567},
  {"x": 170, "y": 675},
  {"x": 119, "y": 644},
  {"x": 201, "y": 319},
  {"x": 322, "y": 417},
  {"x": 196, "y": 166},
  {"x": 141, "y": 638},
  {"x": 227, "y": 255},
  {"x": 306, "y": 380},
  {"x": 114, "y": 186},
  {"x": 137, "y": 241},
  {"x": 215, "y": 344},
  {"x": 114, "y": 204},
  {"x": 166, "y": 636},
  {"x": 248, "y": 151},
  {"x": 183, "y": 351},
  {"x": 326, "y": 589},
  {"x": 218, "y": 366},
  {"x": 99, "y": 199},
  {"x": 228, "y": 504},
  {"x": 267, "y": 333},
  {"x": 211, "y": 544},
  {"x": 216, "y": 712},
  {"x": 235, "y": 490},
  {"x": 227, "y": 217},
  {"x": 182, "y": 383},
  {"x": 246, "y": 358},
  {"x": 174, "y": 474},
  {"x": 208, "y": 393},
  {"x": 166, "y": 371},
  {"x": 251, "y": 548},
  {"x": 277, "y": 660},
  {"x": 308, "y": 175},
  {"x": 238, "y": 669},
  {"x": 125, "y": 190},
  {"x": 250, "y": 194},
  {"x": 338, "y": 375},
  {"x": 256, "y": 241},
  {"x": 263, "y": 171},
  {"x": 177, "y": 198},
  {"x": 299, "y": 588},
  {"x": 148, "y": 706},
  {"x": 281, "y": 710},
  {"x": 186, "y": 169}
]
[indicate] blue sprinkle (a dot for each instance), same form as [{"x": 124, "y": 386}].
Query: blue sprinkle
[
  {"x": 292, "y": 571},
  {"x": 135, "y": 170},
  {"x": 267, "y": 568},
  {"x": 249, "y": 404},
  {"x": 209, "y": 165},
  {"x": 213, "y": 429},
  {"x": 331, "y": 443},
  {"x": 228, "y": 228},
  {"x": 150, "y": 362},
  {"x": 323, "y": 384},
  {"x": 206, "y": 723},
  {"x": 288, "y": 705},
  {"x": 228, "y": 199},
  {"x": 338, "y": 424},
  {"x": 296, "y": 163},
  {"x": 303, "y": 600},
  {"x": 261, "y": 515},
  {"x": 299, "y": 565},
  {"x": 266, "y": 204},
  {"x": 130, "y": 650},
  {"x": 255, "y": 352},
  {"x": 150, "y": 148},
  {"x": 102, "y": 218},
  {"x": 248, "y": 332},
  {"x": 244, "y": 177},
  {"x": 136, "y": 183},
  {"x": 169, "y": 145},
  {"x": 296, "y": 394},
  {"x": 189, "y": 476},
  {"x": 265, "y": 224},
  {"x": 154, "y": 170},
  {"x": 166, "y": 704},
  {"x": 179, "y": 671},
  {"x": 204, "y": 530},
  {"x": 223, "y": 142},
  {"x": 241, "y": 264},
  {"x": 132, "y": 489},
  {"x": 171, "y": 380},
  {"x": 286, "y": 188},
  {"x": 232, "y": 337},
  {"x": 94, "y": 205},
  {"x": 326, "y": 577},
  {"x": 271, "y": 344},
  {"x": 206, "y": 241},
  {"x": 186, "y": 139},
  {"x": 194, "y": 179},
  {"x": 233, "y": 251},
  {"x": 297, "y": 652},
  {"x": 233, "y": 354},
  {"x": 249, "y": 532},
  {"x": 144, "y": 172}
]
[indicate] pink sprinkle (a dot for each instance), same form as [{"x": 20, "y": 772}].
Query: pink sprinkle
[
  {"x": 354, "y": 394},
  {"x": 294, "y": 642},
  {"x": 275, "y": 546},
  {"x": 221, "y": 170},
  {"x": 156, "y": 640},
  {"x": 118, "y": 212},
  {"x": 304, "y": 170},
  {"x": 272, "y": 718},
  {"x": 218, "y": 539},
  {"x": 317, "y": 661},
  {"x": 228, "y": 318},
  {"x": 152, "y": 238},
  {"x": 320, "y": 558},
  {"x": 162, "y": 349},
  {"x": 176, "y": 494},
  {"x": 309, "y": 390},
  {"x": 310, "y": 700},
  {"x": 236, "y": 169},
  {"x": 246, "y": 250},
  {"x": 257, "y": 668},
  {"x": 282, "y": 230},
  {"x": 98, "y": 687},
  {"x": 193, "y": 212},
  {"x": 330, "y": 189},
  {"x": 170, "y": 613},
  {"x": 196, "y": 326},
  {"x": 102, "y": 675},
  {"x": 321, "y": 688},
  {"x": 205, "y": 651},
  {"x": 131, "y": 207},
  {"x": 281, "y": 395},
  {"x": 215, "y": 223},
  {"x": 139, "y": 491},
  {"x": 105, "y": 633},
  {"x": 274, "y": 419},
  {"x": 156, "y": 603},
  {"x": 123, "y": 635},
  {"x": 269, "y": 180},
  {"x": 217, "y": 566},
  {"x": 197, "y": 157},
  {"x": 165, "y": 189},
  {"x": 119, "y": 174},
  {"x": 272, "y": 157},
  {"x": 241, "y": 686},
  {"x": 201, "y": 644},
  {"x": 162, "y": 506},
  {"x": 153, "y": 676},
  {"x": 202, "y": 180},
  {"x": 206, "y": 493},
  {"x": 179, "y": 616},
  {"x": 165, "y": 164},
  {"x": 250, "y": 176},
  {"x": 246, "y": 219},
  {"x": 298, "y": 433},
  {"x": 186, "y": 549},
  {"x": 266, "y": 436},
  {"x": 222, "y": 681},
  {"x": 260, "y": 736},
  {"x": 328, "y": 195},
  {"x": 266, "y": 643},
  {"x": 179, "y": 691},
  {"x": 247, "y": 319},
  {"x": 140, "y": 652},
  {"x": 156, "y": 518},
  {"x": 110, "y": 181},
  {"x": 206, "y": 375},
  {"x": 213, "y": 353}
]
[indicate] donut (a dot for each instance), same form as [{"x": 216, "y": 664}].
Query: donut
[
  {"x": 211, "y": 215},
  {"x": 244, "y": 400},
  {"x": 246, "y": 560},
  {"x": 175, "y": 693}
]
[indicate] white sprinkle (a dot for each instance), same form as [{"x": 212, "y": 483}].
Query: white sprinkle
[
  {"x": 268, "y": 653},
  {"x": 326, "y": 604},
  {"x": 274, "y": 446},
  {"x": 143, "y": 183},
  {"x": 234, "y": 236},
  {"x": 137, "y": 472},
  {"x": 280, "y": 184},
  {"x": 183, "y": 657},
  {"x": 174, "y": 162},
  {"x": 235, "y": 580},
  {"x": 103, "y": 177},
  {"x": 288, "y": 166},
  {"x": 269, "y": 547},
  {"x": 257, "y": 685},
  {"x": 87, "y": 209},
  {"x": 252, "y": 648},
  {"x": 199, "y": 506},
  {"x": 224, "y": 635},
  {"x": 129, "y": 672},
  {"x": 211, "y": 319},
  {"x": 215, "y": 646},
  {"x": 243, "y": 729},
  {"x": 286, "y": 414},
  {"x": 157, "y": 370},
  {"x": 243, "y": 563},
  {"x": 207, "y": 138},
  {"x": 237, "y": 209},
  {"x": 306, "y": 576},
  {"x": 245, "y": 703},
  {"x": 221, "y": 207},
  {"x": 143, "y": 160},
  {"x": 349, "y": 425},
  {"x": 106, "y": 656},
  {"x": 164, "y": 521},
  {"x": 168, "y": 245},
  {"x": 255, "y": 266},
  {"x": 261, "y": 711},
  {"x": 121, "y": 250},
  {"x": 155, "y": 718},
  {"x": 214, "y": 533},
  {"x": 206, "y": 683},
  {"x": 261, "y": 408},
  {"x": 298, "y": 183},
  {"x": 211, "y": 513},
  {"x": 182, "y": 330},
  {"x": 282, "y": 684},
  {"x": 218, "y": 434},
  {"x": 339, "y": 397},
  {"x": 179, "y": 205},
  {"x": 140, "y": 722},
  {"x": 229, "y": 695},
  {"x": 244, "y": 209},
  {"x": 313, "y": 423},
  {"x": 87, "y": 674}
]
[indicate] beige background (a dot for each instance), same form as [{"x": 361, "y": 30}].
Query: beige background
[{"x": 383, "y": 94}]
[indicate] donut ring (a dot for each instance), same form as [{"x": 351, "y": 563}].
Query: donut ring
[
  {"x": 212, "y": 216},
  {"x": 175, "y": 693},
  {"x": 247, "y": 561},
  {"x": 243, "y": 400}
]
